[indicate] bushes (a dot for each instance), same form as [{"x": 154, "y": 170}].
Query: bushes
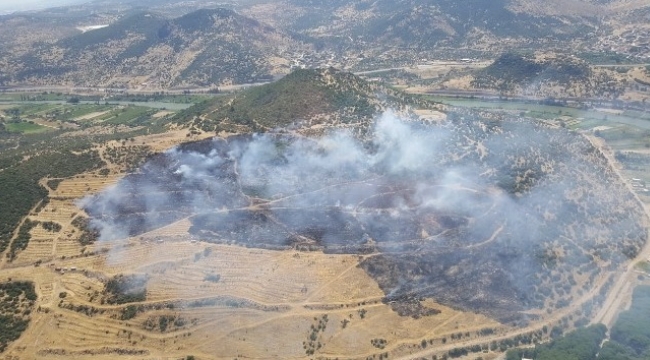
[
  {"x": 19, "y": 186},
  {"x": 582, "y": 344},
  {"x": 381, "y": 343},
  {"x": 486, "y": 332},
  {"x": 54, "y": 183},
  {"x": 11, "y": 327},
  {"x": 164, "y": 323},
  {"x": 51, "y": 226},
  {"x": 298, "y": 96},
  {"x": 131, "y": 157},
  {"x": 129, "y": 312},
  {"x": 88, "y": 234},
  {"x": 126, "y": 289},
  {"x": 630, "y": 335},
  {"x": 22, "y": 239},
  {"x": 511, "y": 70},
  {"x": 16, "y": 302},
  {"x": 15, "y": 288},
  {"x": 515, "y": 67}
]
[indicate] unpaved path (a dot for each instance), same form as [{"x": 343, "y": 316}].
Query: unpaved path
[{"x": 619, "y": 293}]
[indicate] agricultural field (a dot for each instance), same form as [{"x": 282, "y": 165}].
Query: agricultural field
[
  {"x": 52, "y": 232},
  {"x": 25, "y": 127},
  {"x": 37, "y": 113},
  {"x": 197, "y": 292}
]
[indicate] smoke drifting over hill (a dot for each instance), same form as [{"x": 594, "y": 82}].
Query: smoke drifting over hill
[{"x": 468, "y": 212}]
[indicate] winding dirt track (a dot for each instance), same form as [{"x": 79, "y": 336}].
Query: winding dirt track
[{"x": 620, "y": 292}]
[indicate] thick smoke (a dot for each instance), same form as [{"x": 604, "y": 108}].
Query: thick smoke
[{"x": 475, "y": 213}]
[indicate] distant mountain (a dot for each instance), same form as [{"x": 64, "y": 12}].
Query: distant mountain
[
  {"x": 202, "y": 48},
  {"x": 165, "y": 47},
  {"x": 426, "y": 24},
  {"x": 20, "y": 32},
  {"x": 304, "y": 97},
  {"x": 27, "y": 5}
]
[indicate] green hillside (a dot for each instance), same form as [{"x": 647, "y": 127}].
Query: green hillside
[{"x": 301, "y": 96}]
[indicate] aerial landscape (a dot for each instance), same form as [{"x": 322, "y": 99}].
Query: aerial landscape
[{"x": 350, "y": 179}]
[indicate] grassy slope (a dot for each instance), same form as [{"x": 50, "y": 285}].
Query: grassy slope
[{"x": 298, "y": 96}]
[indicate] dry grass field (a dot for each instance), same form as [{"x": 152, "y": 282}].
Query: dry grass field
[
  {"x": 220, "y": 301},
  {"x": 262, "y": 307},
  {"x": 216, "y": 301}
]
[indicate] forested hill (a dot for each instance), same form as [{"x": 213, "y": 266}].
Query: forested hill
[
  {"x": 511, "y": 70},
  {"x": 303, "y": 96}
]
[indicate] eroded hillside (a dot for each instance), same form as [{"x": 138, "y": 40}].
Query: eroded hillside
[{"x": 204, "y": 48}]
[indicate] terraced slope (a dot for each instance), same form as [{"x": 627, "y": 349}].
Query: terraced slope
[{"x": 471, "y": 214}]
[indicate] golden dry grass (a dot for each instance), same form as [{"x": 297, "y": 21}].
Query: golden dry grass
[
  {"x": 304, "y": 285},
  {"x": 262, "y": 307}
]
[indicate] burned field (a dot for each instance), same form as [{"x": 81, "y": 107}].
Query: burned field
[{"x": 498, "y": 217}]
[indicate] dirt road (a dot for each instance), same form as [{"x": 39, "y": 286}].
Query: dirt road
[{"x": 620, "y": 292}]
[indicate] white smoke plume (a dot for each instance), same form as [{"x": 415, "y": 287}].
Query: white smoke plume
[{"x": 473, "y": 212}]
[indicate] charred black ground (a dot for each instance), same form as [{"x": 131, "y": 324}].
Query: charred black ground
[{"x": 491, "y": 216}]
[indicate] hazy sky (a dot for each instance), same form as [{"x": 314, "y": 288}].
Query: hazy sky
[{"x": 20, "y": 5}]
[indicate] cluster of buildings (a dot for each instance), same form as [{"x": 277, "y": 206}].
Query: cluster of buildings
[
  {"x": 351, "y": 59},
  {"x": 317, "y": 60}
]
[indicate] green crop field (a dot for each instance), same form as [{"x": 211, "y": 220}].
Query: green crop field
[
  {"x": 128, "y": 115},
  {"x": 77, "y": 111},
  {"x": 26, "y": 128}
]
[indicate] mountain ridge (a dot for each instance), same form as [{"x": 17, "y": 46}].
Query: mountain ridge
[
  {"x": 427, "y": 24},
  {"x": 167, "y": 47},
  {"x": 207, "y": 47}
]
